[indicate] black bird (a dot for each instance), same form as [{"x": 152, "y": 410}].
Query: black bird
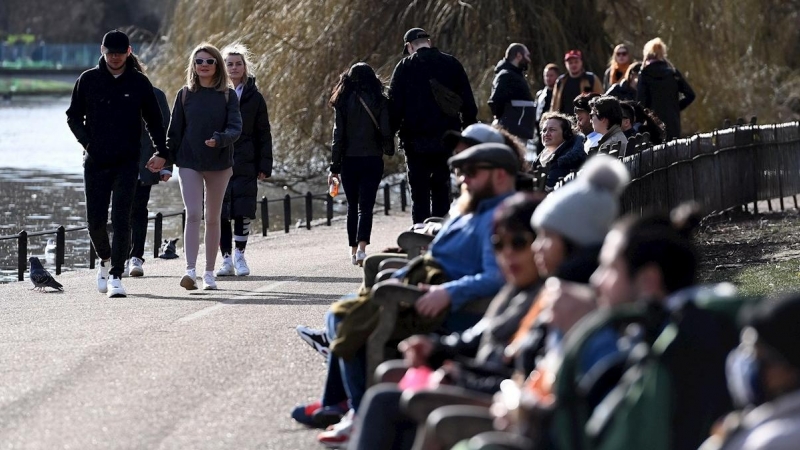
[{"x": 41, "y": 278}]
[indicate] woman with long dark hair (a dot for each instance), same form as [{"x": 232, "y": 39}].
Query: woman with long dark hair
[{"x": 361, "y": 135}]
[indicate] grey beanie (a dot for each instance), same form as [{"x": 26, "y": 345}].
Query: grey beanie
[{"x": 582, "y": 211}]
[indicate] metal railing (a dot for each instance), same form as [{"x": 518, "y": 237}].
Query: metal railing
[{"x": 60, "y": 232}]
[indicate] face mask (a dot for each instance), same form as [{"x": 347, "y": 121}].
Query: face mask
[{"x": 743, "y": 372}]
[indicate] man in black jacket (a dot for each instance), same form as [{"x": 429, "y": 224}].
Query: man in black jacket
[
  {"x": 511, "y": 100},
  {"x": 429, "y": 95},
  {"x": 105, "y": 115}
]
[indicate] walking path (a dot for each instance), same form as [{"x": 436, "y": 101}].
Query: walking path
[{"x": 167, "y": 368}]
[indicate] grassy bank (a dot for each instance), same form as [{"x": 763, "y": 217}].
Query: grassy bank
[{"x": 31, "y": 86}]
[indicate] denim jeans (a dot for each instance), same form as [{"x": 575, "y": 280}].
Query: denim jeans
[{"x": 346, "y": 380}]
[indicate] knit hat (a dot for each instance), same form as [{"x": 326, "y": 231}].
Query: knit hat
[
  {"x": 583, "y": 210},
  {"x": 776, "y": 320}
]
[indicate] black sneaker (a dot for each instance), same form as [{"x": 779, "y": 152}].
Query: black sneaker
[{"x": 317, "y": 339}]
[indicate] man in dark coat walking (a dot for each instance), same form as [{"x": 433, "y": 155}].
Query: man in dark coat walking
[
  {"x": 429, "y": 94},
  {"x": 511, "y": 100}
]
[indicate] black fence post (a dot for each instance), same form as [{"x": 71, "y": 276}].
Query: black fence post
[
  {"x": 60, "y": 244},
  {"x": 387, "y": 198},
  {"x": 264, "y": 215},
  {"x": 309, "y": 209},
  {"x": 287, "y": 213},
  {"x": 328, "y": 209},
  {"x": 92, "y": 255},
  {"x": 158, "y": 233},
  {"x": 403, "y": 199},
  {"x": 22, "y": 254}
]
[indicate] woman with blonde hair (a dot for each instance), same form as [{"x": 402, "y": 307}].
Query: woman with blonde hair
[
  {"x": 617, "y": 66},
  {"x": 662, "y": 88},
  {"x": 205, "y": 124},
  {"x": 252, "y": 161}
]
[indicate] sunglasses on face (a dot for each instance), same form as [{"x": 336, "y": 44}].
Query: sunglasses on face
[
  {"x": 622, "y": 53},
  {"x": 517, "y": 242},
  {"x": 471, "y": 171},
  {"x": 209, "y": 61}
]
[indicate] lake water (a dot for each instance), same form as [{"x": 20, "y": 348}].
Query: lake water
[{"x": 41, "y": 183}]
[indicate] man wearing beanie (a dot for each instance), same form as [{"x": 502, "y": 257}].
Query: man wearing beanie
[{"x": 764, "y": 378}]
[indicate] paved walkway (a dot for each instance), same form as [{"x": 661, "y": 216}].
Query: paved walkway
[{"x": 166, "y": 368}]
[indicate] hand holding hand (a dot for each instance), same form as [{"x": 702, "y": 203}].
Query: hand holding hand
[
  {"x": 166, "y": 177},
  {"x": 156, "y": 163}
]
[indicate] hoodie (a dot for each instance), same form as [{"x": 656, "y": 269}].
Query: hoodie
[{"x": 511, "y": 100}]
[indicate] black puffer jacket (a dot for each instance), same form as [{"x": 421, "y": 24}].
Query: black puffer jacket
[
  {"x": 106, "y": 113},
  {"x": 146, "y": 177},
  {"x": 660, "y": 88},
  {"x": 511, "y": 100},
  {"x": 413, "y": 109},
  {"x": 354, "y": 132},
  {"x": 252, "y": 154},
  {"x": 569, "y": 157}
]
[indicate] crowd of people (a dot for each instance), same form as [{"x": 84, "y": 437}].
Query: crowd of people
[{"x": 540, "y": 320}]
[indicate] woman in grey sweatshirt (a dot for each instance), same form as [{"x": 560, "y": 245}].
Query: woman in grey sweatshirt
[{"x": 205, "y": 124}]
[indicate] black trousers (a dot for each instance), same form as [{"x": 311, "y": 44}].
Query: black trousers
[
  {"x": 115, "y": 186},
  {"x": 361, "y": 177},
  {"x": 429, "y": 180},
  {"x": 139, "y": 220}
]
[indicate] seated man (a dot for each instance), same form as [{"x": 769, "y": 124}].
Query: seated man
[{"x": 459, "y": 268}]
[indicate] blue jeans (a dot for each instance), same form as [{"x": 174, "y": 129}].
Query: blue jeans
[{"x": 346, "y": 380}]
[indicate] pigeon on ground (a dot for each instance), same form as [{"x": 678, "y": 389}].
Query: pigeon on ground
[
  {"x": 41, "y": 278},
  {"x": 168, "y": 250}
]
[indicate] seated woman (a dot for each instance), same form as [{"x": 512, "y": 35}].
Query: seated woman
[{"x": 563, "y": 148}]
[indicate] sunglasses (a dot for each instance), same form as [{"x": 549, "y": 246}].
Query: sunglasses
[
  {"x": 622, "y": 53},
  {"x": 471, "y": 171},
  {"x": 209, "y": 61},
  {"x": 517, "y": 242}
]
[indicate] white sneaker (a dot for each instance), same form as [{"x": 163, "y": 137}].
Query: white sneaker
[
  {"x": 361, "y": 255},
  {"x": 102, "y": 276},
  {"x": 189, "y": 281},
  {"x": 226, "y": 269},
  {"x": 135, "y": 267},
  {"x": 116, "y": 290},
  {"x": 209, "y": 284},
  {"x": 126, "y": 269},
  {"x": 240, "y": 264}
]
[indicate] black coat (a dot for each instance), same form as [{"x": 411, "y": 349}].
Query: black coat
[
  {"x": 354, "y": 132},
  {"x": 660, "y": 86},
  {"x": 105, "y": 115},
  {"x": 146, "y": 177},
  {"x": 252, "y": 153},
  {"x": 413, "y": 109},
  {"x": 622, "y": 91},
  {"x": 511, "y": 100},
  {"x": 569, "y": 157}
]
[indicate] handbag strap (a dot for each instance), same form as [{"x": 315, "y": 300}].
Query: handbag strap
[{"x": 369, "y": 111}]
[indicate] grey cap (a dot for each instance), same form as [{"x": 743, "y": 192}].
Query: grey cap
[
  {"x": 477, "y": 133},
  {"x": 492, "y": 154}
]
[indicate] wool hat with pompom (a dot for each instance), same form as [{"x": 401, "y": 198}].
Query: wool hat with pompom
[{"x": 583, "y": 210}]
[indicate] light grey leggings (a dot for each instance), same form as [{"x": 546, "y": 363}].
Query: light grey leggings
[{"x": 192, "y": 187}]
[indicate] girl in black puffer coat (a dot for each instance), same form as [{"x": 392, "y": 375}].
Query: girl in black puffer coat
[{"x": 252, "y": 161}]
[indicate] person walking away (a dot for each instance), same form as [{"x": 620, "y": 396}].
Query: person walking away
[
  {"x": 361, "y": 136},
  {"x": 511, "y": 101},
  {"x": 205, "y": 124},
  {"x": 573, "y": 83},
  {"x": 105, "y": 114},
  {"x": 147, "y": 179},
  {"x": 662, "y": 88},
  {"x": 252, "y": 162},
  {"x": 617, "y": 66},
  {"x": 607, "y": 120},
  {"x": 543, "y": 99},
  {"x": 429, "y": 94},
  {"x": 625, "y": 89}
]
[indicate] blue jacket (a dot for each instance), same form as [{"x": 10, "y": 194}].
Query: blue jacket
[{"x": 464, "y": 249}]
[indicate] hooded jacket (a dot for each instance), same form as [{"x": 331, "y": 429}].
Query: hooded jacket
[
  {"x": 413, "y": 109},
  {"x": 106, "y": 112},
  {"x": 659, "y": 89},
  {"x": 252, "y": 153},
  {"x": 511, "y": 100}
]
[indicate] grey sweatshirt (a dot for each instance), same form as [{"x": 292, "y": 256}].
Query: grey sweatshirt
[{"x": 205, "y": 116}]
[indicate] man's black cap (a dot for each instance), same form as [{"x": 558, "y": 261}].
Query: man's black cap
[
  {"x": 412, "y": 35},
  {"x": 776, "y": 320},
  {"x": 494, "y": 155},
  {"x": 116, "y": 41}
]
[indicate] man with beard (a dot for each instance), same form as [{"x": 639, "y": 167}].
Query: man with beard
[
  {"x": 511, "y": 100},
  {"x": 459, "y": 268},
  {"x": 105, "y": 115}
]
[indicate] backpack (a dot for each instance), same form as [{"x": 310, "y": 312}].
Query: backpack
[{"x": 627, "y": 400}]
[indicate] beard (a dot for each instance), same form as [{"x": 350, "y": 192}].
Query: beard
[{"x": 475, "y": 198}]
